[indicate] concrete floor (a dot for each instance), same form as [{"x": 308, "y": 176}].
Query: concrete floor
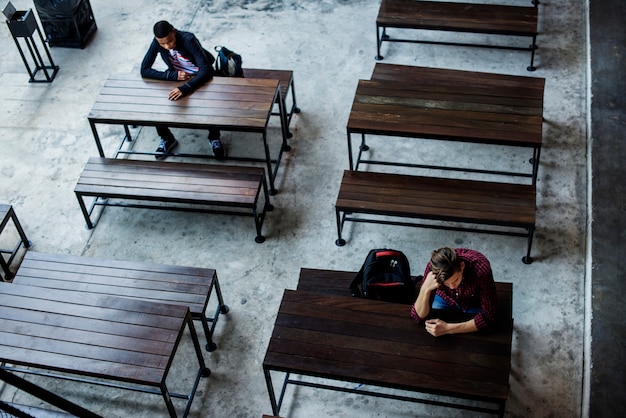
[{"x": 329, "y": 45}]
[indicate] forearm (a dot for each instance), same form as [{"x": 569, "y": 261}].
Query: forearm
[
  {"x": 422, "y": 304},
  {"x": 462, "y": 327}
]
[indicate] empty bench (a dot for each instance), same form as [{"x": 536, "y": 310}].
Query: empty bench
[
  {"x": 490, "y": 19},
  {"x": 285, "y": 77},
  {"x": 183, "y": 186},
  {"x": 7, "y": 214},
  {"x": 382, "y": 197},
  {"x": 177, "y": 285}
]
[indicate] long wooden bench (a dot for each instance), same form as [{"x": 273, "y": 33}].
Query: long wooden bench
[
  {"x": 7, "y": 214},
  {"x": 387, "y": 196},
  {"x": 190, "y": 187},
  {"x": 286, "y": 85},
  {"x": 492, "y": 19},
  {"x": 169, "y": 284}
]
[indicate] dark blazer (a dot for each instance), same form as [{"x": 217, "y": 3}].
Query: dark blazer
[{"x": 189, "y": 46}]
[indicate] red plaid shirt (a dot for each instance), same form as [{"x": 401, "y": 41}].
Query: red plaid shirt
[{"x": 477, "y": 290}]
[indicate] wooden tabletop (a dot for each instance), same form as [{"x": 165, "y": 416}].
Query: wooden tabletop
[
  {"x": 231, "y": 103},
  {"x": 447, "y": 104},
  {"x": 120, "y": 339},
  {"x": 378, "y": 343}
]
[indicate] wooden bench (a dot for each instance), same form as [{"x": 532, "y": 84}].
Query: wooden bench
[
  {"x": 8, "y": 214},
  {"x": 492, "y": 19},
  {"x": 179, "y": 285},
  {"x": 376, "y": 345},
  {"x": 286, "y": 84},
  {"x": 189, "y": 187},
  {"x": 437, "y": 199}
]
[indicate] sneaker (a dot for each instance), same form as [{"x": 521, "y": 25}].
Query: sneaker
[
  {"x": 164, "y": 148},
  {"x": 218, "y": 149}
]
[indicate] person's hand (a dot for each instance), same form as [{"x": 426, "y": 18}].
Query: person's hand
[
  {"x": 183, "y": 76},
  {"x": 431, "y": 283},
  {"x": 436, "y": 327},
  {"x": 175, "y": 94}
]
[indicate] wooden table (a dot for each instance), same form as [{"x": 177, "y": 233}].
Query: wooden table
[
  {"x": 119, "y": 342},
  {"x": 378, "y": 344},
  {"x": 449, "y": 105},
  {"x": 161, "y": 283},
  {"x": 227, "y": 103}
]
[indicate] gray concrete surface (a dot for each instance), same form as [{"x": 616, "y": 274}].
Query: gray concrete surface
[{"x": 329, "y": 45}]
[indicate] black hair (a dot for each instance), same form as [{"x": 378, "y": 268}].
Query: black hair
[{"x": 162, "y": 29}]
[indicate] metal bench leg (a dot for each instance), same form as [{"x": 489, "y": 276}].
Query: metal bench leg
[
  {"x": 340, "y": 220},
  {"x": 533, "y": 47},
  {"x": 83, "y": 209},
  {"x": 379, "y": 40},
  {"x": 222, "y": 308},
  {"x": 294, "y": 107},
  {"x": 528, "y": 259}
]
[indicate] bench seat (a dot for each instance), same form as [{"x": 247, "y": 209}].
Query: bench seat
[
  {"x": 178, "y": 285},
  {"x": 286, "y": 85},
  {"x": 7, "y": 214},
  {"x": 491, "y": 19},
  {"x": 436, "y": 199},
  {"x": 191, "y": 187}
]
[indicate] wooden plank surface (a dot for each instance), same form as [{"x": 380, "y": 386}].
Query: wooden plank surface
[
  {"x": 437, "y": 198},
  {"x": 284, "y": 76},
  {"x": 171, "y": 182},
  {"x": 459, "y": 17},
  {"x": 180, "y": 285},
  {"x": 225, "y": 102},
  {"x": 441, "y": 105},
  {"x": 372, "y": 342},
  {"x": 90, "y": 335},
  {"x": 337, "y": 282}
]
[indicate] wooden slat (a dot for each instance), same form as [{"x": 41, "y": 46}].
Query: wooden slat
[
  {"x": 460, "y": 17},
  {"x": 225, "y": 102},
  {"x": 437, "y": 198},
  {"x": 447, "y": 111},
  {"x": 171, "y": 182},
  {"x": 187, "y": 286},
  {"x": 350, "y": 339},
  {"x": 91, "y": 335}
]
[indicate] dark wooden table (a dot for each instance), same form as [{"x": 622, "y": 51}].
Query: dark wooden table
[
  {"x": 449, "y": 105},
  {"x": 97, "y": 339},
  {"x": 170, "y": 284},
  {"x": 227, "y": 103},
  {"x": 378, "y": 344}
]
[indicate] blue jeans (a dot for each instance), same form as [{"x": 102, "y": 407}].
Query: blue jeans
[{"x": 440, "y": 304}]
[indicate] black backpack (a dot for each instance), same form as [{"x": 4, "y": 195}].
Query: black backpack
[
  {"x": 228, "y": 63},
  {"x": 385, "y": 275}
]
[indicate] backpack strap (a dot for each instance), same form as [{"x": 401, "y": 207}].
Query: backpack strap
[{"x": 354, "y": 286}]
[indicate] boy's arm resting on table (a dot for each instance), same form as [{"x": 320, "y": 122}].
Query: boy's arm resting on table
[
  {"x": 201, "y": 58},
  {"x": 148, "y": 61}
]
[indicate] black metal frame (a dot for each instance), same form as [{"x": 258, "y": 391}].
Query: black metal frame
[
  {"x": 7, "y": 374},
  {"x": 10, "y": 215},
  {"x": 272, "y": 172},
  {"x": 103, "y": 200},
  {"x": 222, "y": 308},
  {"x": 344, "y": 216},
  {"x": 277, "y": 404},
  {"x": 534, "y": 161}
]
